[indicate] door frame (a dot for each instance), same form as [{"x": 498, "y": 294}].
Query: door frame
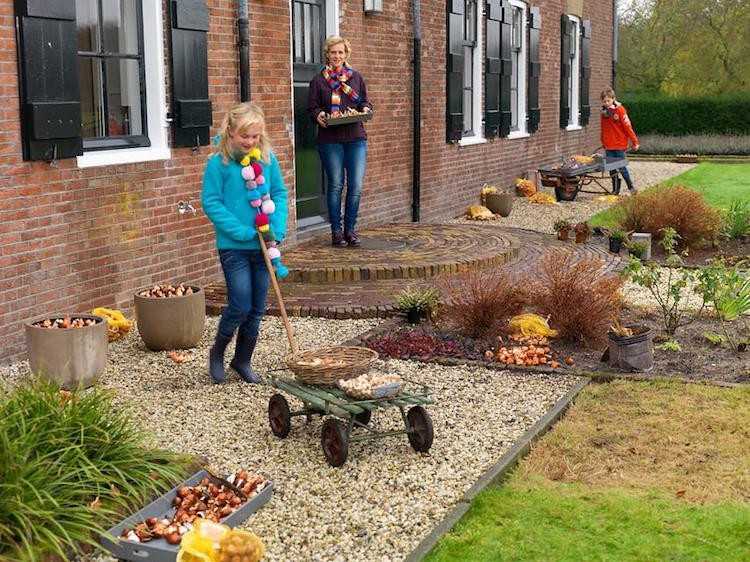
[{"x": 332, "y": 12}]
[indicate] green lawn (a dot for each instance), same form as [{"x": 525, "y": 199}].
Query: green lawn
[
  {"x": 634, "y": 471},
  {"x": 720, "y": 184}
]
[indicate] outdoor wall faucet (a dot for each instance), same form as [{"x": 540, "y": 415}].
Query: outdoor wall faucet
[{"x": 185, "y": 207}]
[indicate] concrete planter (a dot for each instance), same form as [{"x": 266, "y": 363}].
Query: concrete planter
[
  {"x": 171, "y": 322},
  {"x": 70, "y": 357}
]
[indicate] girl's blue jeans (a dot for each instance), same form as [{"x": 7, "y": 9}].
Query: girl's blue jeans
[
  {"x": 337, "y": 159},
  {"x": 624, "y": 171},
  {"x": 247, "y": 285}
]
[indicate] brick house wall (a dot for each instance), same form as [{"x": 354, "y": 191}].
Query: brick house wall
[{"x": 72, "y": 239}]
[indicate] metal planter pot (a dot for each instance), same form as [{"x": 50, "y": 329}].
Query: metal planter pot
[
  {"x": 632, "y": 353},
  {"x": 500, "y": 203},
  {"x": 70, "y": 357},
  {"x": 171, "y": 322}
]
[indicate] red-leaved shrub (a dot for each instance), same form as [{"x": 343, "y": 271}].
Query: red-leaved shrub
[
  {"x": 580, "y": 299},
  {"x": 478, "y": 304},
  {"x": 677, "y": 207}
]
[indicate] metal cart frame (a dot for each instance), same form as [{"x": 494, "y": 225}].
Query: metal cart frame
[{"x": 568, "y": 183}]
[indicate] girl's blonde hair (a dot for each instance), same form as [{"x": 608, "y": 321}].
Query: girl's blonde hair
[
  {"x": 335, "y": 40},
  {"x": 239, "y": 118}
]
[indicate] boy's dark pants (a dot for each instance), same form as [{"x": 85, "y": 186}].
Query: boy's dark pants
[{"x": 623, "y": 171}]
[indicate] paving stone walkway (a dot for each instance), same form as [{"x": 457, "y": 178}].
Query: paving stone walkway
[{"x": 363, "y": 282}]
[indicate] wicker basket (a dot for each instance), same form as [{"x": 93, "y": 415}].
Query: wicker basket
[{"x": 330, "y": 364}]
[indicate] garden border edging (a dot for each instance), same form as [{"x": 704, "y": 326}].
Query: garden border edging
[{"x": 496, "y": 473}]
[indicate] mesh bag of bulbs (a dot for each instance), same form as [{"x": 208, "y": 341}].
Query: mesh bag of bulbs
[
  {"x": 372, "y": 386},
  {"x": 208, "y": 541}
]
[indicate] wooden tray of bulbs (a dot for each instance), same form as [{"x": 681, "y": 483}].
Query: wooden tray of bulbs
[
  {"x": 154, "y": 533},
  {"x": 347, "y": 116}
]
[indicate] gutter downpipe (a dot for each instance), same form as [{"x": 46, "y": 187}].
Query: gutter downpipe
[
  {"x": 417, "y": 113},
  {"x": 243, "y": 32},
  {"x": 615, "y": 41}
]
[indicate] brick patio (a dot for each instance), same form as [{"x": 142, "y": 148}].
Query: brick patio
[{"x": 362, "y": 283}]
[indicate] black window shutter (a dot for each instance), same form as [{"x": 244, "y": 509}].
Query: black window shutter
[
  {"x": 492, "y": 68},
  {"x": 454, "y": 71},
  {"x": 565, "y": 45},
  {"x": 506, "y": 68},
  {"x": 191, "y": 107},
  {"x": 535, "y": 25},
  {"x": 584, "y": 93},
  {"x": 50, "y": 92}
]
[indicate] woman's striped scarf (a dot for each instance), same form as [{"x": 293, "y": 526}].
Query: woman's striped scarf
[{"x": 337, "y": 82}]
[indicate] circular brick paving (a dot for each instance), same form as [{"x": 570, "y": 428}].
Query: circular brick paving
[{"x": 429, "y": 246}]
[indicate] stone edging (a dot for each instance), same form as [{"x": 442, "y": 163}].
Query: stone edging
[{"x": 496, "y": 473}]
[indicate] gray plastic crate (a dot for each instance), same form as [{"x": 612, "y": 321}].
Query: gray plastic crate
[{"x": 159, "y": 550}]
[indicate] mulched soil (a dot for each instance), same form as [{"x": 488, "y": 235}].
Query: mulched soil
[
  {"x": 698, "y": 360},
  {"x": 732, "y": 251}
]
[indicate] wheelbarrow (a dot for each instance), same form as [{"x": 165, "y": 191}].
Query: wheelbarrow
[
  {"x": 345, "y": 414},
  {"x": 569, "y": 182}
]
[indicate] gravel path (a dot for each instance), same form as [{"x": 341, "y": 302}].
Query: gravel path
[
  {"x": 386, "y": 498},
  {"x": 541, "y": 218}
]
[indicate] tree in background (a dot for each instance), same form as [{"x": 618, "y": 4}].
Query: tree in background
[{"x": 684, "y": 47}]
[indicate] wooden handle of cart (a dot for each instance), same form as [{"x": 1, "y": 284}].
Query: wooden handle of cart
[{"x": 277, "y": 290}]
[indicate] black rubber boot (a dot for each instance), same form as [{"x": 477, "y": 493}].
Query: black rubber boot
[
  {"x": 243, "y": 354},
  {"x": 216, "y": 359}
]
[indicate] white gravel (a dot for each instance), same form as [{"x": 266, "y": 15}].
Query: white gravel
[
  {"x": 386, "y": 498},
  {"x": 541, "y": 218}
]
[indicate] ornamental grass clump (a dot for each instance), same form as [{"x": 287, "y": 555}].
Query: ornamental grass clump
[
  {"x": 676, "y": 207},
  {"x": 579, "y": 298},
  {"x": 479, "y": 304},
  {"x": 737, "y": 220},
  {"x": 70, "y": 465}
]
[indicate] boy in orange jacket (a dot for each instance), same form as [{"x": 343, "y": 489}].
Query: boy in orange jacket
[{"x": 616, "y": 132}]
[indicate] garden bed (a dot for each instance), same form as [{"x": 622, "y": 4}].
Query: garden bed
[
  {"x": 731, "y": 250},
  {"x": 428, "y": 343}
]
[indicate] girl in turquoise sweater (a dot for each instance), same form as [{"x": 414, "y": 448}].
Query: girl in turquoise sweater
[{"x": 226, "y": 203}]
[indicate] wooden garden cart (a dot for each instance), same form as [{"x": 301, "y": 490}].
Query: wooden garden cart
[
  {"x": 320, "y": 397},
  {"x": 349, "y": 414},
  {"x": 569, "y": 182}
]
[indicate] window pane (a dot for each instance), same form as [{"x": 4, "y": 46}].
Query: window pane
[
  {"x": 468, "y": 111},
  {"x": 514, "y": 90},
  {"x": 120, "y": 26},
  {"x": 92, "y": 104},
  {"x": 516, "y": 35},
  {"x": 87, "y": 21},
  {"x": 124, "y": 116},
  {"x": 299, "y": 54}
]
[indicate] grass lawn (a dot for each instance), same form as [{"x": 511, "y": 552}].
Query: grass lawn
[
  {"x": 635, "y": 471},
  {"x": 720, "y": 184}
]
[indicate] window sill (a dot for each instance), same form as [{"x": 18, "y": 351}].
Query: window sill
[
  {"x": 573, "y": 128},
  {"x": 518, "y": 135},
  {"x": 123, "y": 156},
  {"x": 470, "y": 141}
]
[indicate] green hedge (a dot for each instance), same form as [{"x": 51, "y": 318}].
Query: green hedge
[{"x": 663, "y": 115}]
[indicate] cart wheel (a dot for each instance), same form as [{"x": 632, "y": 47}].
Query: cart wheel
[
  {"x": 420, "y": 429},
  {"x": 335, "y": 442},
  {"x": 364, "y": 417},
  {"x": 279, "y": 416}
]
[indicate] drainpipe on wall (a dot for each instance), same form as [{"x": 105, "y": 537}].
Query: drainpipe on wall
[
  {"x": 243, "y": 29},
  {"x": 417, "y": 112},
  {"x": 615, "y": 41}
]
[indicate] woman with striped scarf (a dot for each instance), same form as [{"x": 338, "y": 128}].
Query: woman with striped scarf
[{"x": 343, "y": 148}]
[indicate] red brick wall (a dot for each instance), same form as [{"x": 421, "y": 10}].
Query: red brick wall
[{"x": 72, "y": 239}]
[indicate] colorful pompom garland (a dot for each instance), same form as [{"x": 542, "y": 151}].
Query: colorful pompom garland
[{"x": 260, "y": 200}]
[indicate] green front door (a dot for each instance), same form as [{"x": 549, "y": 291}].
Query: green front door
[{"x": 308, "y": 23}]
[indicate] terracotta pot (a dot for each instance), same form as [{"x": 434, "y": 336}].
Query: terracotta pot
[
  {"x": 581, "y": 237},
  {"x": 70, "y": 357},
  {"x": 563, "y": 234},
  {"x": 500, "y": 203},
  {"x": 171, "y": 322}
]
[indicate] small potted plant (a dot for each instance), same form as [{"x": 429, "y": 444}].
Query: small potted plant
[
  {"x": 616, "y": 239},
  {"x": 637, "y": 249},
  {"x": 562, "y": 227},
  {"x": 582, "y": 231},
  {"x": 417, "y": 303}
]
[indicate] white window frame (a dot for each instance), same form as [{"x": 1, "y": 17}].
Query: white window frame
[
  {"x": 156, "y": 107},
  {"x": 523, "y": 64},
  {"x": 574, "y": 120},
  {"x": 478, "y": 92}
]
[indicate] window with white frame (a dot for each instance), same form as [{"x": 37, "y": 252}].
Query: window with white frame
[
  {"x": 120, "y": 56},
  {"x": 574, "y": 120},
  {"x": 470, "y": 66},
  {"x": 519, "y": 56}
]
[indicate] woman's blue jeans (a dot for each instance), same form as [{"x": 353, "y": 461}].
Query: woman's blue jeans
[
  {"x": 624, "y": 171},
  {"x": 338, "y": 158},
  {"x": 247, "y": 285}
]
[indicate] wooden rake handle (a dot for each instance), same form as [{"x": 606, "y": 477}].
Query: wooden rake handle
[{"x": 277, "y": 290}]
